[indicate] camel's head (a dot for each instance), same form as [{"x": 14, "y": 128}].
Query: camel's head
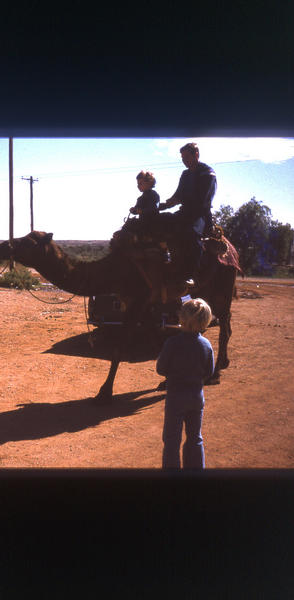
[{"x": 26, "y": 250}]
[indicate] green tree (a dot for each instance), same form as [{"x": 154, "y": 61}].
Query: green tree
[
  {"x": 223, "y": 217},
  {"x": 280, "y": 239},
  {"x": 249, "y": 232}
]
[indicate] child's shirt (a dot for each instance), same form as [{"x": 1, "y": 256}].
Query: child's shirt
[
  {"x": 186, "y": 360},
  {"x": 148, "y": 203}
]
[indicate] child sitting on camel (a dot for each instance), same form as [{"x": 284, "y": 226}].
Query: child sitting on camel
[
  {"x": 147, "y": 204},
  {"x": 146, "y": 208}
]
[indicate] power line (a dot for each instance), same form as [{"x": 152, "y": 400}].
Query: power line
[
  {"x": 126, "y": 169},
  {"x": 122, "y": 169},
  {"x": 129, "y": 168},
  {"x": 107, "y": 170},
  {"x": 111, "y": 170}
]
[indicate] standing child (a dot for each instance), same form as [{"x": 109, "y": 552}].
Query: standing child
[
  {"x": 186, "y": 360},
  {"x": 147, "y": 204}
]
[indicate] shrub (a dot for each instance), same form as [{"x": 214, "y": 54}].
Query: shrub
[
  {"x": 283, "y": 272},
  {"x": 20, "y": 278}
]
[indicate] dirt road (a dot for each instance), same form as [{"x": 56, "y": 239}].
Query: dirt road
[{"x": 50, "y": 376}]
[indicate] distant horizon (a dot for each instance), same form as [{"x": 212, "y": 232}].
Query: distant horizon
[{"x": 71, "y": 241}]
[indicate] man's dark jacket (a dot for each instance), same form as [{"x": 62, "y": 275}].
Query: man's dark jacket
[{"x": 195, "y": 192}]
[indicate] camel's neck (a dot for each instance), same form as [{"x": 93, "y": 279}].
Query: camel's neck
[{"x": 77, "y": 277}]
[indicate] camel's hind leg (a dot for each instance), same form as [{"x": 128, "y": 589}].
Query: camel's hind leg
[
  {"x": 222, "y": 361},
  {"x": 225, "y": 333}
]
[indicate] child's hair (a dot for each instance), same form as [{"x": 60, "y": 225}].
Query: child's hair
[
  {"x": 195, "y": 315},
  {"x": 147, "y": 176}
]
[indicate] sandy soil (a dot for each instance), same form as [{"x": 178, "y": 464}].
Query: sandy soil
[{"x": 50, "y": 376}]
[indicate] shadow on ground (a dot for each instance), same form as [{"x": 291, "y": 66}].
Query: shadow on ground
[
  {"x": 143, "y": 346},
  {"x": 41, "y": 419}
]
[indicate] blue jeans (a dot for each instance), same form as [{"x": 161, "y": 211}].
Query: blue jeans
[{"x": 193, "y": 450}]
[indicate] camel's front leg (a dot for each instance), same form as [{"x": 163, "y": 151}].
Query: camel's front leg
[
  {"x": 105, "y": 393},
  {"x": 131, "y": 317}
]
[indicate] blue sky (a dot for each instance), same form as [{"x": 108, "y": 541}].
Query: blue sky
[{"x": 85, "y": 187}]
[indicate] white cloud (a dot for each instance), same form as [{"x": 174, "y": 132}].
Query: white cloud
[{"x": 222, "y": 150}]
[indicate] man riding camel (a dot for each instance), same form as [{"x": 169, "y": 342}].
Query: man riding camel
[{"x": 195, "y": 192}]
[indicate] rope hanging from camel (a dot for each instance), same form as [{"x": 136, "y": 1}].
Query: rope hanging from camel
[
  {"x": 40, "y": 299},
  {"x": 48, "y": 302},
  {"x": 90, "y": 333},
  {"x": 63, "y": 302}
]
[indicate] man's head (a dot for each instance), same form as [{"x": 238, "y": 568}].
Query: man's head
[
  {"x": 190, "y": 155},
  {"x": 195, "y": 315}
]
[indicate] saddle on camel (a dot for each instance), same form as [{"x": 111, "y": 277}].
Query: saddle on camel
[
  {"x": 168, "y": 262},
  {"x": 174, "y": 250}
]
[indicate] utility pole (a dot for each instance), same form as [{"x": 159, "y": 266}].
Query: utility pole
[
  {"x": 11, "y": 262},
  {"x": 31, "y": 180}
]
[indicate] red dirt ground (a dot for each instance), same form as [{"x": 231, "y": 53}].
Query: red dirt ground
[{"x": 48, "y": 416}]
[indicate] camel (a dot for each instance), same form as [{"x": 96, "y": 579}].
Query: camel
[{"x": 137, "y": 280}]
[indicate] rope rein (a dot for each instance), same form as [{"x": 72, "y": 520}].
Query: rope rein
[
  {"x": 40, "y": 299},
  {"x": 90, "y": 340}
]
